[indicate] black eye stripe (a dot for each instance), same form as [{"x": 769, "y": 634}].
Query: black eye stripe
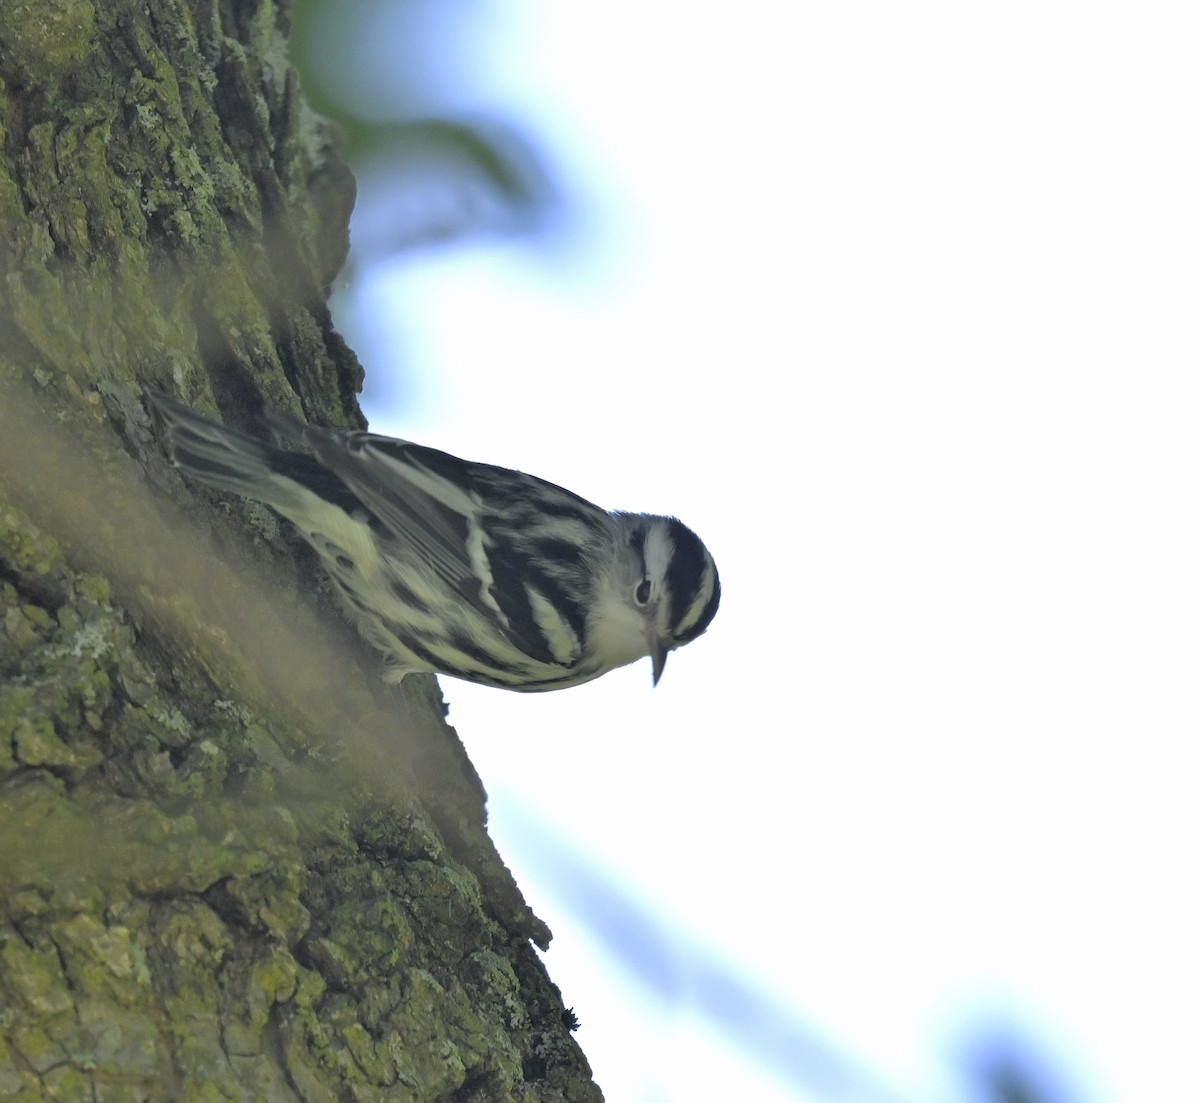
[{"x": 637, "y": 541}]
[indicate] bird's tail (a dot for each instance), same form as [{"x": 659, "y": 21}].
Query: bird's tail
[{"x": 227, "y": 459}]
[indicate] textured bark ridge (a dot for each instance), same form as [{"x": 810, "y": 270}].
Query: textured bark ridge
[{"x": 233, "y": 865}]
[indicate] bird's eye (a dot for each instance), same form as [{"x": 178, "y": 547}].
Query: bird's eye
[{"x": 642, "y": 594}]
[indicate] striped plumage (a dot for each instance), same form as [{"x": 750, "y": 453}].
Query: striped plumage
[{"x": 462, "y": 568}]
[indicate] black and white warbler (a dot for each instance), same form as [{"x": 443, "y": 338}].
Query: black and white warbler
[{"x": 462, "y": 568}]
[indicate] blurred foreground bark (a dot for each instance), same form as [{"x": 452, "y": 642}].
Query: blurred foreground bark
[{"x": 233, "y": 865}]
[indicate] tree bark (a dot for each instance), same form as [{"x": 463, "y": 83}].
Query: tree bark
[{"x": 233, "y": 864}]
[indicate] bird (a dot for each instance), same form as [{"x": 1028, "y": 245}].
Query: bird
[{"x": 453, "y": 567}]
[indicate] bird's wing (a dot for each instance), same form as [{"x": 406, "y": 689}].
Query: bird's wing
[
  {"x": 420, "y": 497},
  {"x": 476, "y": 526}
]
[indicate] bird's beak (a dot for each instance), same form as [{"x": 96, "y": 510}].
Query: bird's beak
[{"x": 658, "y": 656}]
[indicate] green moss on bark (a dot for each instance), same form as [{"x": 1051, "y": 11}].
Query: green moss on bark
[{"x": 233, "y": 866}]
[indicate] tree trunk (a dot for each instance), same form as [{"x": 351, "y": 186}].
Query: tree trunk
[{"x": 233, "y": 864}]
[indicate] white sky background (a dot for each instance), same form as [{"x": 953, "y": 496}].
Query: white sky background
[{"x": 896, "y": 306}]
